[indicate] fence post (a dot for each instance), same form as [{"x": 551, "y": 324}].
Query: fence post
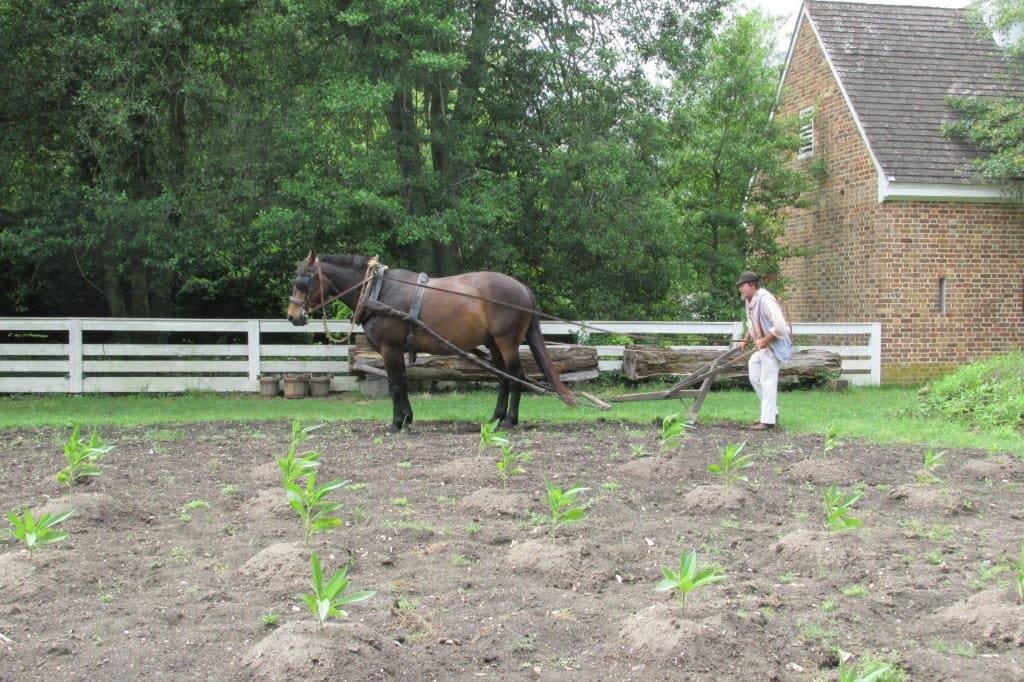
[
  {"x": 875, "y": 342},
  {"x": 254, "y": 355},
  {"x": 75, "y": 380}
]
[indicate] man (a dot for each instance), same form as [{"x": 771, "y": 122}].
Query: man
[{"x": 767, "y": 327}]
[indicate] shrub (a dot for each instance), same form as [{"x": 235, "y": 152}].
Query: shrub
[{"x": 988, "y": 393}]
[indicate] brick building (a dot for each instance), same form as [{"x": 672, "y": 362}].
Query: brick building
[{"x": 900, "y": 230}]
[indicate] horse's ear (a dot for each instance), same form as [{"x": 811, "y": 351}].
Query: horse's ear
[{"x": 311, "y": 258}]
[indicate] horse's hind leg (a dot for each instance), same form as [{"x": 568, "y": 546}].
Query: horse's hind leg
[
  {"x": 401, "y": 409},
  {"x": 510, "y": 354},
  {"x": 501, "y": 409}
]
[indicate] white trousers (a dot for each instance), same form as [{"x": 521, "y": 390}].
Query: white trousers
[{"x": 764, "y": 377}]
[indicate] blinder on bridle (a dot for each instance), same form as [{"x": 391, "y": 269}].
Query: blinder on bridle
[{"x": 302, "y": 283}]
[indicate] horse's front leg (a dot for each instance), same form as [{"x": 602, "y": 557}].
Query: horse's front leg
[{"x": 401, "y": 409}]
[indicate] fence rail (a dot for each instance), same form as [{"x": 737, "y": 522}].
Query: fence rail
[{"x": 57, "y": 355}]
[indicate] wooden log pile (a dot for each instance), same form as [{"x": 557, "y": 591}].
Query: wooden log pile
[
  {"x": 647, "y": 362},
  {"x": 574, "y": 363}
]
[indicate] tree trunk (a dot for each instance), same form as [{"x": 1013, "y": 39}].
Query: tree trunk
[
  {"x": 647, "y": 362},
  {"x": 568, "y": 360},
  {"x": 112, "y": 288}
]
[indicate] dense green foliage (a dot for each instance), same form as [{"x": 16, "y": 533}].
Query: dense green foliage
[
  {"x": 988, "y": 393},
  {"x": 996, "y": 125},
  {"x": 171, "y": 158}
]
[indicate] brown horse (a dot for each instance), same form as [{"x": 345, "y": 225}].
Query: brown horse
[{"x": 468, "y": 310}]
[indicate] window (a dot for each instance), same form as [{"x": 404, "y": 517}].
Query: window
[
  {"x": 942, "y": 295},
  {"x": 806, "y": 133}
]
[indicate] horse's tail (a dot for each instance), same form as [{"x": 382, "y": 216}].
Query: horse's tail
[{"x": 540, "y": 353}]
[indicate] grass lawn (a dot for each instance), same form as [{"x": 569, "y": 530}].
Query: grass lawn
[{"x": 883, "y": 415}]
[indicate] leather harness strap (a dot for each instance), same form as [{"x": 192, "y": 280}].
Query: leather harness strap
[{"x": 414, "y": 315}]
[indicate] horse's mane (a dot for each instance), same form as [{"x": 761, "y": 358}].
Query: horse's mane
[{"x": 344, "y": 260}]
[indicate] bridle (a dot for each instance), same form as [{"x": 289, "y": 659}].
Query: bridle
[{"x": 304, "y": 283}]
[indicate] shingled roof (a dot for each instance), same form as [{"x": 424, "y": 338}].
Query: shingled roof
[{"x": 898, "y": 66}]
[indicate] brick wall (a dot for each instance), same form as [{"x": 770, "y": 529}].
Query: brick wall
[{"x": 861, "y": 261}]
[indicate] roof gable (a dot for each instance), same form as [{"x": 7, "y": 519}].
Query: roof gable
[{"x": 897, "y": 66}]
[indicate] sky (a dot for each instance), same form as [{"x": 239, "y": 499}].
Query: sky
[{"x": 790, "y": 9}]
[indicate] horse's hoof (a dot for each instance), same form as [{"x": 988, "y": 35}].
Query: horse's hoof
[
  {"x": 507, "y": 424},
  {"x": 394, "y": 428}
]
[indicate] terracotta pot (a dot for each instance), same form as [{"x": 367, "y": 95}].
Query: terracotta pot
[{"x": 296, "y": 385}]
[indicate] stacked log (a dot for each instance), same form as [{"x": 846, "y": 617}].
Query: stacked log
[
  {"x": 648, "y": 362},
  {"x": 574, "y": 363}
]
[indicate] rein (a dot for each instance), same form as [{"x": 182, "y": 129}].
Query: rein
[{"x": 368, "y": 277}]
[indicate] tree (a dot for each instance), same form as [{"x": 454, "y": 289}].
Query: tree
[
  {"x": 996, "y": 125},
  {"x": 729, "y": 174}
]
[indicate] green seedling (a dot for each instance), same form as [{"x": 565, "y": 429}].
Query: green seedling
[
  {"x": 562, "y": 504},
  {"x": 930, "y": 462},
  {"x": 673, "y": 428},
  {"x": 732, "y": 463},
  {"x": 82, "y": 456},
  {"x": 638, "y": 449},
  {"x": 687, "y": 578},
  {"x": 33, "y": 532},
  {"x": 1018, "y": 573},
  {"x": 294, "y": 466},
  {"x": 510, "y": 463},
  {"x": 192, "y": 505},
  {"x": 831, "y": 440},
  {"x": 326, "y": 600},
  {"x": 311, "y": 504},
  {"x": 865, "y": 673},
  {"x": 270, "y": 620},
  {"x": 838, "y": 506},
  {"x": 491, "y": 436}
]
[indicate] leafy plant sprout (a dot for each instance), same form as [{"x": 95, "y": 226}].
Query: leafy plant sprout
[
  {"x": 510, "y": 463},
  {"x": 33, "y": 532},
  {"x": 838, "y": 506},
  {"x": 82, "y": 456},
  {"x": 294, "y": 466},
  {"x": 869, "y": 672},
  {"x": 192, "y": 505},
  {"x": 831, "y": 439},
  {"x": 638, "y": 449},
  {"x": 673, "y": 428},
  {"x": 732, "y": 463},
  {"x": 326, "y": 600},
  {"x": 310, "y": 502},
  {"x": 491, "y": 435},
  {"x": 562, "y": 505},
  {"x": 930, "y": 462},
  {"x": 687, "y": 577}
]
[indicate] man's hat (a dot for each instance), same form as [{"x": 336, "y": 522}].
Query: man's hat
[{"x": 748, "y": 277}]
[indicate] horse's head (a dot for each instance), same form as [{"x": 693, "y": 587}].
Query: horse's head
[{"x": 306, "y": 290}]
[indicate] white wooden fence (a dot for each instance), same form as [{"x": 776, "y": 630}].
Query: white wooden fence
[{"x": 57, "y": 355}]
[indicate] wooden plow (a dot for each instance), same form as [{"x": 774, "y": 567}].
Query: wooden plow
[{"x": 705, "y": 376}]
